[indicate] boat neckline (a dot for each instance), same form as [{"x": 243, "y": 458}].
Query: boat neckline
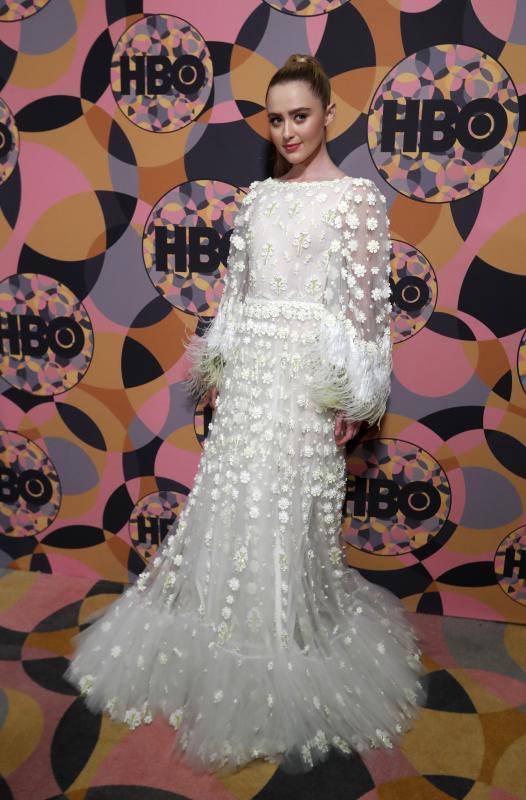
[{"x": 309, "y": 183}]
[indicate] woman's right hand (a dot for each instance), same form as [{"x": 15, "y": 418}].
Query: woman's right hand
[{"x": 212, "y": 397}]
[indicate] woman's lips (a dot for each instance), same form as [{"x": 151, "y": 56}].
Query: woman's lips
[{"x": 290, "y": 147}]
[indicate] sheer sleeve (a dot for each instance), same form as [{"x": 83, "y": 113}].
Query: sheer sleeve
[
  {"x": 355, "y": 349},
  {"x": 208, "y": 353}
]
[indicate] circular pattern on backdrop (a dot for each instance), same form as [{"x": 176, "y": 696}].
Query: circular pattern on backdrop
[
  {"x": 31, "y": 494},
  {"x": 151, "y": 519},
  {"x": 414, "y": 292},
  {"x": 510, "y": 565},
  {"x": 48, "y": 337},
  {"x": 9, "y": 142},
  {"x": 306, "y": 8},
  {"x": 13, "y": 10},
  {"x": 463, "y": 95},
  {"x": 398, "y": 497},
  {"x": 186, "y": 241},
  {"x": 161, "y": 73}
]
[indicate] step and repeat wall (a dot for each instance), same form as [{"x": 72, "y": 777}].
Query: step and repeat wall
[{"x": 129, "y": 133}]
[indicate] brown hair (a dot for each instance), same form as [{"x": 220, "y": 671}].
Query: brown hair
[{"x": 300, "y": 67}]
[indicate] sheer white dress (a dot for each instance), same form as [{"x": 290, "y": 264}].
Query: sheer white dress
[{"x": 247, "y": 631}]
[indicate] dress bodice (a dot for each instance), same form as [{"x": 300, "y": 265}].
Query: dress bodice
[{"x": 295, "y": 238}]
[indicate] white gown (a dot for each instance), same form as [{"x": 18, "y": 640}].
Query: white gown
[{"x": 246, "y": 630}]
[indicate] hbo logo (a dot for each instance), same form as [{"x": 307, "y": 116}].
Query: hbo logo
[
  {"x": 478, "y": 126},
  {"x": 30, "y": 335},
  {"x": 187, "y": 247},
  {"x": 33, "y": 486},
  {"x": 383, "y": 498},
  {"x": 154, "y": 75}
]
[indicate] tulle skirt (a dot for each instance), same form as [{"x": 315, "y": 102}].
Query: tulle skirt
[{"x": 246, "y": 630}]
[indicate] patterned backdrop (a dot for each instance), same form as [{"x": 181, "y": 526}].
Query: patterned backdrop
[{"x": 129, "y": 132}]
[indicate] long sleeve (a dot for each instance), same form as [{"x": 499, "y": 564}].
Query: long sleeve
[
  {"x": 354, "y": 349},
  {"x": 207, "y": 354}
]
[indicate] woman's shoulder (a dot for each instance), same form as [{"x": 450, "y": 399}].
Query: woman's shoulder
[
  {"x": 255, "y": 184},
  {"x": 345, "y": 182},
  {"x": 270, "y": 181},
  {"x": 253, "y": 188}
]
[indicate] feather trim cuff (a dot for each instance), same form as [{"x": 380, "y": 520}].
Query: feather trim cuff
[
  {"x": 207, "y": 354},
  {"x": 205, "y": 369},
  {"x": 350, "y": 374}
]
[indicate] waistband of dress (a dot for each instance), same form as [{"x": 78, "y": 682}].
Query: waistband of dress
[{"x": 263, "y": 308}]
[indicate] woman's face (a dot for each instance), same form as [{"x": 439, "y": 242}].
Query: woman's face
[{"x": 296, "y": 116}]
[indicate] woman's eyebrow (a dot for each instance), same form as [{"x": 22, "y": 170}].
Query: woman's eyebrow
[{"x": 293, "y": 111}]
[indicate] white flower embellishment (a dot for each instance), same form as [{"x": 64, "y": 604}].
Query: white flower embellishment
[
  {"x": 294, "y": 206},
  {"x": 278, "y": 283},
  {"x": 176, "y": 718},
  {"x": 302, "y": 239},
  {"x": 169, "y": 580},
  {"x": 268, "y": 250},
  {"x": 237, "y": 241},
  {"x": 358, "y": 269},
  {"x": 372, "y": 223},
  {"x": 352, "y": 220},
  {"x": 140, "y": 583},
  {"x": 358, "y": 292},
  {"x": 86, "y": 684},
  {"x": 240, "y": 559},
  {"x": 313, "y": 285},
  {"x": 373, "y": 246},
  {"x": 132, "y": 718}
]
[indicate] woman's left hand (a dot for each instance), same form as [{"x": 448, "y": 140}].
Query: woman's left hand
[{"x": 345, "y": 430}]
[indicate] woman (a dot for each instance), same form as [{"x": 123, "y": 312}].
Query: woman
[{"x": 246, "y": 630}]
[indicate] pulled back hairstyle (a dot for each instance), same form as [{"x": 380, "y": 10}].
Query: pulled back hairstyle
[{"x": 300, "y": 67}]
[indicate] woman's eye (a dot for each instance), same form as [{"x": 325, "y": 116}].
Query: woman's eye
[{"x": 299, "y": 114}]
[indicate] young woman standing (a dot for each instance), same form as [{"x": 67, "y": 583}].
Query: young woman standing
[{"x": 247, "y": 631}]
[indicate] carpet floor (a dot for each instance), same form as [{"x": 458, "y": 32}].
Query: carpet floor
[{"x": 469, "y": 743}]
